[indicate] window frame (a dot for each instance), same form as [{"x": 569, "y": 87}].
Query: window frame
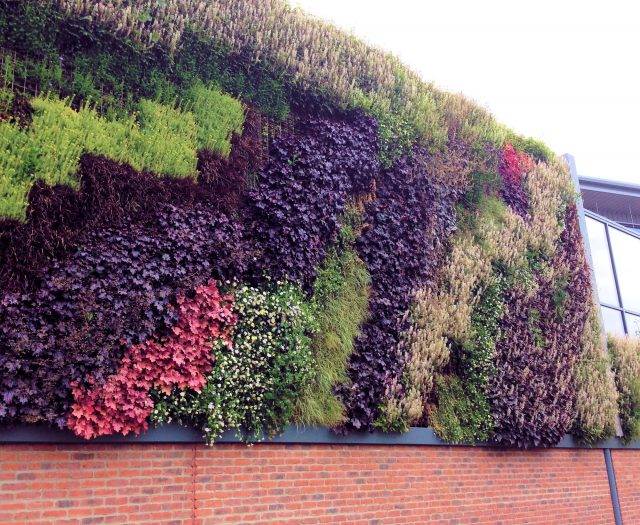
[{"x": 607, "y": 225}]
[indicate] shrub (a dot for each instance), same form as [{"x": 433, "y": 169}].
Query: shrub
[
  {"x": 167, "y": 142},
  {"x": 455, "y": 419},
  {"x": 13, "y": 186},
  {"x": 596, "y": 394},
  {"x": 218, "y": 116},
  {"x": 111, "y": 194},
  {"x": 115, "y": 291},
  {"x": 164, "y": 143},
  {"x": 123, "y": 403},
  {"x": 409, "y": 221},
  {"x": 255, "y": 382},
  {"x": 298, "y": 197},
  {"x": 533, "y": 391},
  {"x": 441, "y": 312},
  {"x": 476, "y": 365},
  {"x": 625, "y": 353},
  {"x": 341, "y": 296}
]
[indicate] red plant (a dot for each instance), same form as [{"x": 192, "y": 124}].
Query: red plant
[
  {"x": 513, "y": 166},
  {"x": 123, "y": 403}
]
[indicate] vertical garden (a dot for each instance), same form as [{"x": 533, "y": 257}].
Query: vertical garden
[{"x": 230, "y": 215}]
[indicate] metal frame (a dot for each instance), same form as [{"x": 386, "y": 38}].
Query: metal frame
[
  {"x": 613, "y": 486},
  {"x": 620, "y": 307},
  {"x": 173, "y": 433}
]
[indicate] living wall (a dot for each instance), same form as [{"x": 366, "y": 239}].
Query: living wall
[{"x": 233, "y": 216}]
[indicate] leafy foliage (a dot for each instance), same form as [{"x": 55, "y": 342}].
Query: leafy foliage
[
  {"x": 341, "y": 296},
  {"x": 111, "y": 194},
  {"x": 406, "y": 226},
  {"x": 128, "y": 179},
  {"x": 68, "y": 55},
  {"x": 218, "y": 117},
  {"x": 303, "y": 189},
  {"x": 117, "y": 290},
  {"x": 625, "y": 353},
  {"x": 596, "y": 394},
  {"x": 463, "y": 412},
  {"x": 455, "y": 419},
  {"x": 347, "y": 70},
  {"x": 532, "y": 393},
  {"x": 164, "y": 142},
  {"x": 255, "y": 382},
  {"x": 123, "y": 403}
]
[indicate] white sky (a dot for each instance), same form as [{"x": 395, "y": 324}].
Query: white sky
[{"x": 564, "y": 71}]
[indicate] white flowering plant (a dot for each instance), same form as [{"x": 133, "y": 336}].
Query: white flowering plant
[{"x": 254, "y": 383}]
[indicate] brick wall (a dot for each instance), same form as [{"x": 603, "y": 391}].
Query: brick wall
[
  {"x": 627, "y": 466},
  {"x": 299, "y": 484}
]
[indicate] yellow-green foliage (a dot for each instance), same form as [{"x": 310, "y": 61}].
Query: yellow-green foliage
[
  {"x": 160, "y": 139},
  {"x": 314, "y": 55},
  {"x": 625, "y": 354},
  {"x": 167, "y": 142},
  {"x": 596, "y": 394},
  {"x": 14, "y": 182},
  {"x": 341, "y": 294},
  {"x": 218, "y": 117}
]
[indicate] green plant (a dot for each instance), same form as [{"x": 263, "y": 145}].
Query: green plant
[
  {"x": 14, "y": 183},
  {"x": 341, "y": 295},
  {"x": 167, "y": 142},
  {"x": 455, "y": 419},
  {"x": 163, "y": 140},
  {"x": 218, "y": 117},
  {"x": 625, "y": 354},
  {"x": 6, "y": 100},
  {"x": 469, "y": 414},
  {"x": 254, "y": 384}
]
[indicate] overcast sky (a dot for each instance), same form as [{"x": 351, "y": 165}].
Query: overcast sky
[{"x": 564, "y": 71}]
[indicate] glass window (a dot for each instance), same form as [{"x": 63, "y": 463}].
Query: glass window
[
  {"x": 612, "y": 321},
  {"x": 626, "y": 255},
  {"x": 633, "y": 325},
  {"x": 601, "y": 262}
]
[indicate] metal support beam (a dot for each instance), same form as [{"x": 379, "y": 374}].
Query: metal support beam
[{"x": 613, "y": 486}]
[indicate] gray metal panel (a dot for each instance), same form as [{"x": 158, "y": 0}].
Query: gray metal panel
[
  {"x": 613, "y": 487},
  {"x": 172, "y": 433}
]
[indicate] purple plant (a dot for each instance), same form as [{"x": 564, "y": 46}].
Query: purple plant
[
  {"x": 533, "y": 393},
  {"x": 115, "y": 291},
  {"x": 295, "y": 204},
  {"x": 113, "y": 194},
  {"x": 406, "y": 228}
]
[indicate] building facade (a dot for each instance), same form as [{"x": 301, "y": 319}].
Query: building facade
[{"x": 612, "y": 216}]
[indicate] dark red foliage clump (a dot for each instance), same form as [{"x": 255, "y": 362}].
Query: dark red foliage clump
[
  {"x": 406, "y": 228},
  {"x": 532, "y": 393},
  {"x": 226, "y": 179},
  {"x": 513, "y": 166}
]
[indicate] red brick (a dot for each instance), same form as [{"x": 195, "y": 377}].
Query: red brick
[{"x": 318, "y": 484}]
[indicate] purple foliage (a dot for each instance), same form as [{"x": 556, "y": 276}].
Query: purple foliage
[
  {"x": 111, "y": 194},
  {"x": 115, "y": 291},
  {"x": 302, "y": 191},
  {"x": 406, "y": 227},
  {"x": 533, "y": 394}
]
